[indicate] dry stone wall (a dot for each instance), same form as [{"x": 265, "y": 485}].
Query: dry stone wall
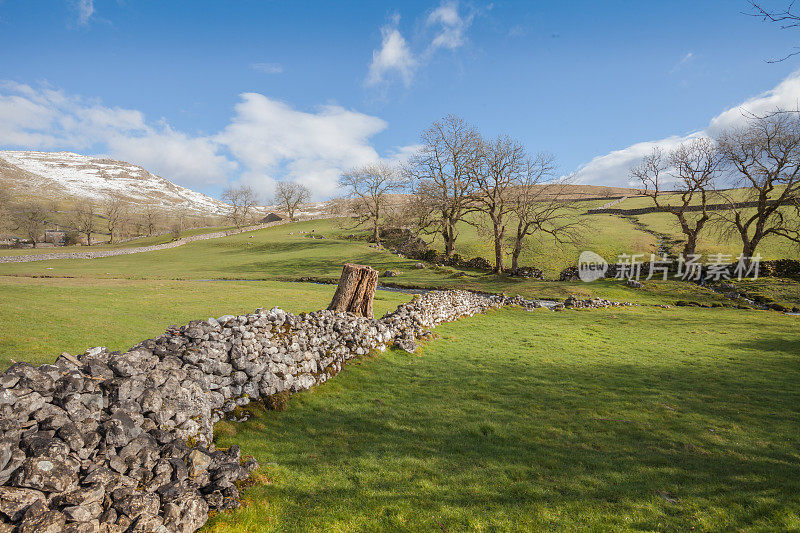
[
  {"x": 115, "y": 442},
  {"x": 655, "y": 209}
]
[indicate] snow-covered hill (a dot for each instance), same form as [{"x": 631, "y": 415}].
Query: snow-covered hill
[{"x": 65, "y": 175}]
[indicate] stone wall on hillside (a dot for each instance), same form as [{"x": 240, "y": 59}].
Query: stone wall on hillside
[
  {"x": 114, "y": 442},
  {"x": 653, "y": 209}
]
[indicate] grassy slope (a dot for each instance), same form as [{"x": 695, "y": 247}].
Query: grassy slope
[
  {"x": 269, "y": 254},
  {"x": 610, "y": 236},
  {"x": 782, "y": 291},
  {"x": 606, "y": 235},
  {"x": 283, "y": 253},
  {"x": 141, "y": 241},
  {"x": 543, "y": 421},
  {"x": 637, "y": 202},
  {"x": 711, "y": 242}
]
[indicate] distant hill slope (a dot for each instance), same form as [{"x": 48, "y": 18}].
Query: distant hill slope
[{"x": 69, "y": 176}]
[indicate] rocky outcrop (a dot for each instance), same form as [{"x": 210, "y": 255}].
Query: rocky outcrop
[{"x": 112, "y": 441}]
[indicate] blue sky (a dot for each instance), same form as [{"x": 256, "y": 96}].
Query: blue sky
[{"x": 209, "y": 93}]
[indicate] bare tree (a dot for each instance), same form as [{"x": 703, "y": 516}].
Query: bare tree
[
  {"x": 443, "y": 173},
  {"x": 542, "y": 207},
  {"x": 30, "y": 218},
  {"x": 151, "y": 217},
  {"x": 5, "y": 199},
  {"x": 290, "y": 195},
  {"x": 368, "y": 187},
  {"x": 787, "y": 18},
  {"x": 690, "y": 170},
  {"x": 500, "y": 171},
  {"x": 763, "y": 157},
  {"x": 241, "y": 199},
  {"x": 5, "y": 204},
  {"x": 84, "y": 219},
  {"x": 183, "y": 220},
  {"x": 115, "y": 210}
]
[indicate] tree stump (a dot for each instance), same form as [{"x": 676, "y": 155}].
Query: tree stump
[{"x": 356, "y": 290}]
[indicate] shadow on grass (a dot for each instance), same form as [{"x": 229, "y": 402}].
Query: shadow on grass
[{"x": 530, "y": 432}]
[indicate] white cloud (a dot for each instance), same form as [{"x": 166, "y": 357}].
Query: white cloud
[
  {"x": 187, "y": 160},
  {"x": 47, "y": 119},
  {"x": 266, "y": 139},
  {"x": 267, "y": 68},
  {"x": 394, "y": 56},
  {"x": 273, "y": 140},
  {"x": 786, "y": 95},
  {"x": 401, "y": 154},
  {"x": 452, "y": 26},
  {"x": 685, "y": 59},
  {"x": 85, "y": 11},
  {"x": 612, "y": 168}
]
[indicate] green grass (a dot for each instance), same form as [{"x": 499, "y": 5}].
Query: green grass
[
  {"x": 636, "y": 418},
  {"x": 140, "y": 241},
  {"x": 711, "y": 242},
  {"x": 283, "y": 253},
  {"x": 772, "y": 290},
  {"x": 270, "y": 253},
  {"x": 543, "y": 421},
  {"x": 43, "y": 317},
  {"x": 637, "y": 202},
  {"x": 606, "y": 235}
]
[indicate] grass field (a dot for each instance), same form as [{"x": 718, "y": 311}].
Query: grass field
[
  {"x": 636, "y": 202},
  {"x": 44, "y": 317},
  {"x": 284, "y": 253},
  {"x": 613, "y": 235},
  {"x": 711, "y": 241},
  {"x": 543, "y": 421},
  {"x": 637, "y": 418},
  {"x": 781, "y": 291},
  {"x": 606, "y": 235},
  {"x": 141, "y": 241}
]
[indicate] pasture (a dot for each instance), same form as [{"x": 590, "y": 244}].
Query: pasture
[{"x": 638, "y": 418}]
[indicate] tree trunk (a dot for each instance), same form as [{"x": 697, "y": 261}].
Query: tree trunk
[
  {"x": 376, "y": 234},
  {"x": 498, "y": 249},
  {"x": 515, "y": 255},
  {"x": 356, "y": 290},
  {"x": 88, "y": 239},
  {"x": 449, "y": 241},
  {"x": 748, "y": 250},
  {"x": 691, "y": 244}
]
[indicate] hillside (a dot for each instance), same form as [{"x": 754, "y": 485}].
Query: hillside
[{"x": 69, "y": 176}]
